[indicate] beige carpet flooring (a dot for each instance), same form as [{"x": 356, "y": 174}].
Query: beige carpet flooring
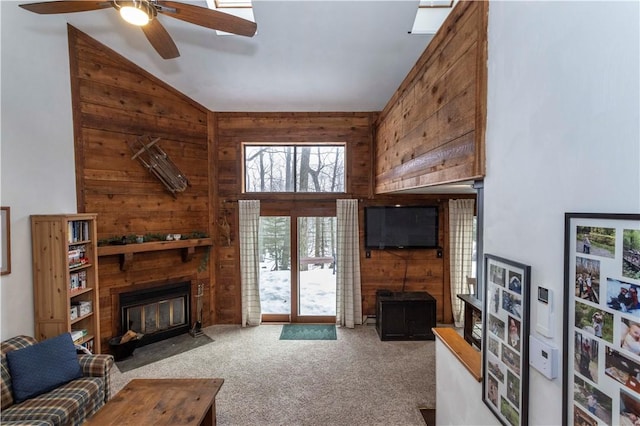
[{"x": 354, "y": 380}]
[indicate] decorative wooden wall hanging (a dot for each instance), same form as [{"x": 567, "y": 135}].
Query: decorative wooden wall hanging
[{"x": 159, "y": 164}]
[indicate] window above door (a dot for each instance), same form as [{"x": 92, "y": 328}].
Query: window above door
[{"x": 294, "y": 168}]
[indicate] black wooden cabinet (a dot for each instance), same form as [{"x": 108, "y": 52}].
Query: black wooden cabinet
[{"x": 405, "y": 315}]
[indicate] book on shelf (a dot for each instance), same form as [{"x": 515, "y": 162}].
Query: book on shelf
[
  {"x": 78, "y": 335},
  {"x": 78, "y": 280},
  {"x": 77, "y": 256},
  {"x": 78, "y": 231},
  {"x": 85, "y": 307},
  {"x": 88, "y": 345}
]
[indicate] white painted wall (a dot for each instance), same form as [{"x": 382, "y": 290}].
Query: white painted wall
[
  {"x": 37, "y": 171},
  {"x": 563, "y": 135},
  {"x": 451, "y": 379}
]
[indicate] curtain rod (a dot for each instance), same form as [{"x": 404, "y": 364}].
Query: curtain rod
[{"x": 315, "y": 199}]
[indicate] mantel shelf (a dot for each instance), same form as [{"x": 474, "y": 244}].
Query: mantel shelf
[{"x": 126, "y": 251}]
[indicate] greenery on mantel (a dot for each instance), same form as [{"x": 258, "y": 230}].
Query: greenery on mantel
[{"x": 131, "y": 238}]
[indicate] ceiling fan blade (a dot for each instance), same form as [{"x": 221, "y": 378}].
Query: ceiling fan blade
[
  {"x": 69, "y": 6},
  {"x": 207, "y": 18},
  {"x": 160, "y": 39}
]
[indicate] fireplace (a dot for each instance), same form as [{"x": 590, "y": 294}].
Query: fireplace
[{"x": 158, "y": 312}]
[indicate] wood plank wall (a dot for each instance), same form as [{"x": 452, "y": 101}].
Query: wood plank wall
[
  {"x": 432, "y": 129},
  {"x": 384, "y": 269},
  {"x": 114, "y": 102},
  {"x": 355, "y": 129}
]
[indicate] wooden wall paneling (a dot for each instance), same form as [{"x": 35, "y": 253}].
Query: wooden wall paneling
[
  {"x": 74, "y": 75},
  {"x": 481, "y": 88},
  {"x": 114, "y": 102},
  {"x": 234, "y": 128},
  {"x": 214, "y": 203},
  {"x": 423, "y": 126},
  {"x": 450, "y": 28},
  {"x": 450, "y": 122}
]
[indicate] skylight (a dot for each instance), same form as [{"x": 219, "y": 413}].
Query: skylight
[
  {"x": 220, "y": 4},
  {"x": 430, "y": 15},
  {"x": 436, "y": 3}
]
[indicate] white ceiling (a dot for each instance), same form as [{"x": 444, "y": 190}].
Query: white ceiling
[{"x": 330, "y": 55}]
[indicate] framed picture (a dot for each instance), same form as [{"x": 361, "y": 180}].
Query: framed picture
[
  {"x": 505, "y": 339},
  {"x": 5, "y": 240},
  {"x": 601, "y": 374}
]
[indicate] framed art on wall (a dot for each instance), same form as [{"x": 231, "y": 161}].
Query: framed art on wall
[
  {"x": 5, "y": 240},
  {"x": 505, "y": 343},
  {"x": 601, "y": 376}
]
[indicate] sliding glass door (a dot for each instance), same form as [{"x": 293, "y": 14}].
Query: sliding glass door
[
  {"x": 297, "y": 285},
  {"x": 316, "y": 267}
]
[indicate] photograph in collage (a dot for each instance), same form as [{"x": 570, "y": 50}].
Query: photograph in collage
[
  {"x": 630, "y": 336},
  {"x": 593, "y": 399},
  {"x": 513, "y": 389},
  {"x": 493, "y": 390},
  {"x": 494, "y": 299},
  {"x": 582, "y": 419},
  {"x": 622, "y": 368},
  {"x": 512, "y": 303},
  {"x": 511, "y": 359},
  {"x": 497, "y": 275},
  {"x": 596, "y": 241},
  {"x": 496, "y": 326},
  {"x": 493, "y": 346},
  {"x": 514, "y": 334},
  {"x": 623, "y": 296},
  {"x": 594, "y": 320},
  {"x": 509, "y": 413},
  {"x": 515, "y": 282},
  {"x": 495, "y": 368},
  {"x": 629, "y": 409},
  {"x": 588, "y": 279},
  {"x": 631, "y": 254},
  {"x": 586, "y": 357}
]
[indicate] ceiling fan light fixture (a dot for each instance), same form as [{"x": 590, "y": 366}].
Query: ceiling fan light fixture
[{"x": 137, "y": 12}]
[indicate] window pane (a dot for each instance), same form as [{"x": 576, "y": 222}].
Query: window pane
[
  {"x": 316, "y": 258},
  {"x": 320, "y": 169},
  {"x": 275, "y": 264},
  {"x": 269, "y": 168},
  {"x": 301, "y": 168}
]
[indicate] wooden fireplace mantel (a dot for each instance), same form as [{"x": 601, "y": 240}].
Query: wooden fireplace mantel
[{"x": 127, "y": 251}]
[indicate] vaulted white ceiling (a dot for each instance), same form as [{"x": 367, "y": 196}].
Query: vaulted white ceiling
[{"x": 330, "y": 55}]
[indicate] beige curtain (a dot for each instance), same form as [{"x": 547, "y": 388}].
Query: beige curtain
[
  {"x": 461, "y": 249},
  {"x": 349, "y": 298},
  {"x": 249, "y": 261}
]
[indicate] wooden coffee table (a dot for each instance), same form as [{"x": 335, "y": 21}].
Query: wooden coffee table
[{"x": 161, "y": 402}]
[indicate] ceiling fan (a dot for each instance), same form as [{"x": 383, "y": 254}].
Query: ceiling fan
[{"x": 143, "y": 13}]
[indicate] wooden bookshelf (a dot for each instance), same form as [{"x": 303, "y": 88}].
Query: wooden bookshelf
[{"x": 65, "y": 275}]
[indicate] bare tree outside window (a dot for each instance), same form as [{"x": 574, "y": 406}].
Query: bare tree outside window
[{"x": 294, "y": 168}]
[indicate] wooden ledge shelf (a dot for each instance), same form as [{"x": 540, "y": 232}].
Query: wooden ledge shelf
[
  {"x": 466, "y": 354},
  {"x": 127, "y": 251}
]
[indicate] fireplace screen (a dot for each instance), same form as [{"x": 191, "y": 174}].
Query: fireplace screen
[
  {"x": 158, "y": 313},
  {"x": 157, "y": 316}
]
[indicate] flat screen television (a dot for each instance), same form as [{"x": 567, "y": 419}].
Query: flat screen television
[{"x": 392, "y": 227}]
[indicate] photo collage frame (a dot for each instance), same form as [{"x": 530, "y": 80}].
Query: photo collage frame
[
  {"x": 601, "y": 374},
  {"x": 505, "y": 345}
]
